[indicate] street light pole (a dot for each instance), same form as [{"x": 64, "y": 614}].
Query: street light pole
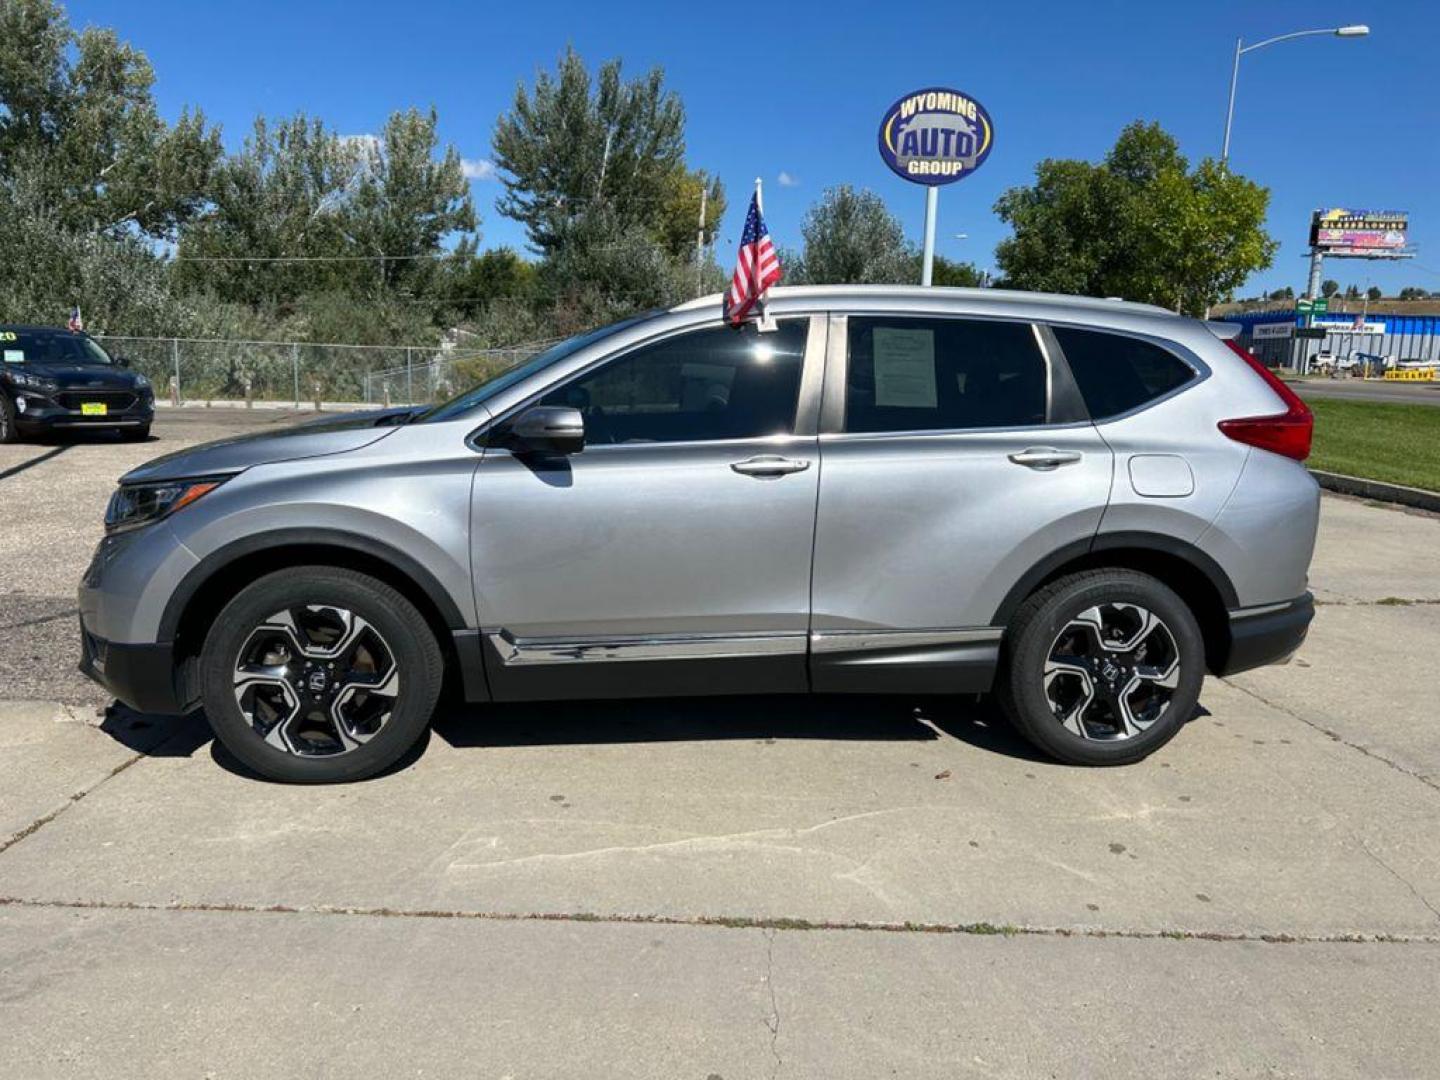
[{"x": 1241, "y": 49}]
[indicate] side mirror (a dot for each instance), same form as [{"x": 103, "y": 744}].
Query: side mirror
[{"x": 548, "y": 429}]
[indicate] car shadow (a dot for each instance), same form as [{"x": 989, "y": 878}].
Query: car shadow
[
  {"x": 879, "y": 718},
  {"x": 82, "y": 436},
  {"x": 975, "y": 721}
]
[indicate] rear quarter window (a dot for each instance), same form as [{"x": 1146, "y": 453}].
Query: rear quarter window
[{"x": 1116, "y": 373}]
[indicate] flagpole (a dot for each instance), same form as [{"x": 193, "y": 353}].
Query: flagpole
[{"x": 759, "y": 196}]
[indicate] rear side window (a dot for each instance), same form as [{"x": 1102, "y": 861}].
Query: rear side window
[
  {"x": 912, "y": 374},
  {"x": 1117, "y": 373}
]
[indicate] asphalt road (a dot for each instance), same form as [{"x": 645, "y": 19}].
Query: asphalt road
[
  {"x": 1401, "y": 393},
  {"x": 734, "y": 888}
]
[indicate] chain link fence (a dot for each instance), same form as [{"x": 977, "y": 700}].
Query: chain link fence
[{"x": 205, "y": 369}]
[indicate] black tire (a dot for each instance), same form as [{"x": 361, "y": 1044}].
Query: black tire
[
  {"x": 402, "y": 631},
  {"x": 1037, "y": 628},
  {"x": 135, "y": 434},
  {"x": 9, "y": 432}
]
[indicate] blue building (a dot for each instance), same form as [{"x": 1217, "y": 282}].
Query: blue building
[{"x": 1271, "y": 336}]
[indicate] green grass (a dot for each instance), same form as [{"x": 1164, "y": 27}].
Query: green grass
[{"x": 1399, "y": 444}]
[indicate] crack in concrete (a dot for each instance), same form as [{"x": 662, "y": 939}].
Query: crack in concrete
[
  {"x": 1334, "y": 735},
  {"x": 732, "y": 922},
  {"x": 70, "y": 614},
  {"x": 773, "y": 1020},
  {"x": 1399, "y": 877},
  {"x": 45, "y": 819}
]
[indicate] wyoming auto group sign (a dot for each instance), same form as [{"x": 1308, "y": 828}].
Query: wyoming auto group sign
[{"x": 936, "y": 136}]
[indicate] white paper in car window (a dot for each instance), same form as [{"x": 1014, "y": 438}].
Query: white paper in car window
[
  {"x": 905, "y": 368},
  {"x": 14, "y": 356}
]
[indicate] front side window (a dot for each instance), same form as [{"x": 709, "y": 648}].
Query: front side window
[
  {"x": 1116, "y": 373},
  {"x": 937, "y": 374},
  {"x": 719, "y": 383}
]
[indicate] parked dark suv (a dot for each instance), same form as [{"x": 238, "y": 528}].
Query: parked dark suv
[{"x": 52, "y": 378}]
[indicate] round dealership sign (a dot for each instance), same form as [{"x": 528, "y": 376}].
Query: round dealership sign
[{"x": 936, "y": 136}]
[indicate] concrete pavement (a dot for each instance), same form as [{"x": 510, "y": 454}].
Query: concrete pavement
[{"x": 735, "y": 888}]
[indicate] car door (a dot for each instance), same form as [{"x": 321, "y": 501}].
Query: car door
[
  {"x": 955, "y": 457},
  {"x": 673, "y": 553}
]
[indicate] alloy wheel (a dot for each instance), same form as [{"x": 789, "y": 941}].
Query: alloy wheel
[
  {"x": 1111, "y": 672},
  {"x": 316, "y": 680}
]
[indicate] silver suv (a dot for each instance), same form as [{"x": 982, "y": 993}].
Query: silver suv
[{"x": 1081, "y": 505}]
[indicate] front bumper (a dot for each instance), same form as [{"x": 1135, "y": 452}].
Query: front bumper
[
  {"x": 45, "y": 413},
  {"x": 145, "y": 677},
  {"x": 1267, "y": 635}
]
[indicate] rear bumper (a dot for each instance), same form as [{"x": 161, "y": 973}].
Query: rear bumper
[
  {"x": 145, "y": 677},
  {"x": 1267, "y": 635}
]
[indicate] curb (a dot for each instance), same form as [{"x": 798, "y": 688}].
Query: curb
[{"x": 1418, "y": 498}]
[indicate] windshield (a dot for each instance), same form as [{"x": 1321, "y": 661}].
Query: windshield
[
  {"x": 490, "y": 387},
  {"x": 49, "y": 347}
]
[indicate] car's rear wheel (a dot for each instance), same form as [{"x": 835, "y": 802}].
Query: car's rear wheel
[
  {"x": 317, "y": 674},
  {"x": 1102, "y": 667},
  {"x": 9, "y": 433}
]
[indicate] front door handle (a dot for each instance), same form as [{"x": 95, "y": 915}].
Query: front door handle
[
  {"x": 769, "y": 465},
  {"x": 1044, "y": 457}
]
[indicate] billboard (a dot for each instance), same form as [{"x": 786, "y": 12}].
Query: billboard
[
  {"x": 1338, "y": 231},
  {"x": 1273, "y": 330}
]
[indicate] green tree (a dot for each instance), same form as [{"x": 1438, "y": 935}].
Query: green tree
[
  {"x": 852, "y": 238},
  {"x": 678, "y": 222},
  {"x": 1413, "y": 292},
  {"x": 409, "y": 198},
  {"x": 351, "y": 215},
  {"x": 956, "y": 274},
  {"x": 79, "y": 128},
  {"x": 1287, "y": 293},
  {"x": 1374, "y": 292},
  {"x": 1141, "y": 224},
  {"x": 1329, "y": 287},
  {"x": 570, "y": 149}
]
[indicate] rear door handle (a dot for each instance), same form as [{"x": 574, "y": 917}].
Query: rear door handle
[
  {"x": 1044, "y": 457},
  {"x": 769, "y": 465}
]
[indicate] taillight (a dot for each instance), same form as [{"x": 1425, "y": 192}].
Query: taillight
[{"x": 1285, "y": 433}]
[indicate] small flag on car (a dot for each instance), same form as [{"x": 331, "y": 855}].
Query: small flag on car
[
  {"x": 756, "y": 269},
  {"x": 76, "y": 323}
]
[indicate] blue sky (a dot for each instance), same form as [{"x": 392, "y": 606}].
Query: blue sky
[{"x": 799, "y": 89}]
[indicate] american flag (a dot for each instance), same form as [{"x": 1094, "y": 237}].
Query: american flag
[
  {"x": 76, "y": 323},
  {"x": 757, "y": 268}
]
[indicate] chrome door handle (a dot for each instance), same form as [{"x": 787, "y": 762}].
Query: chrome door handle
[
  {"x": 769, "y": 465},
  {"x": 1044, "y": 457}
]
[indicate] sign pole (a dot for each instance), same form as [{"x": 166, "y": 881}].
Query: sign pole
[{"x": 927, "y": 261}]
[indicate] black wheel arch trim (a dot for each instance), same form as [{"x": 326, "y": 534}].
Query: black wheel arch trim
[
  {"x": 221, "y": 558},
  {"x": 1115, "y": 541}
]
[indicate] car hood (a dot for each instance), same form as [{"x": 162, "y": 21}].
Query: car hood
[
  {"x": 93, "y": 376},
  {"x": 329, "y": 435}
]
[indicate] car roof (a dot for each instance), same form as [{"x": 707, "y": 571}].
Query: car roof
[
  {"x": 843, "y": 295},
  {"x": 35, "y": 328}
]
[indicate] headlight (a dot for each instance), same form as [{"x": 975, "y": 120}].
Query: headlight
[
  {"x": 34, "y": 382},
  {"x": 134, "y": 505},
  {"x": 142, "y": 383}
]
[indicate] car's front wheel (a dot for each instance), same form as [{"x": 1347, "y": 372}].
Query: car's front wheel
[
  {"x": 9, "y": 432},
  {"x": 1102, "y": 667},
  {"x": 316, "y": 674}
]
